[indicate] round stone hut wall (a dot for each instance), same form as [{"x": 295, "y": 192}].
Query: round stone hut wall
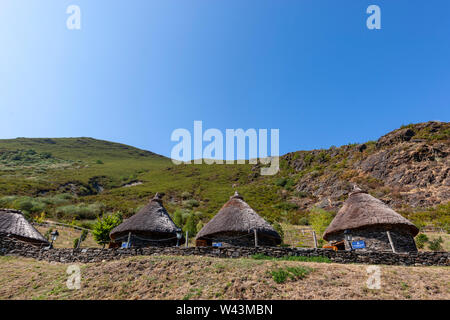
[
  {"x": 141, "y": 241},
  {"x": 229, "y": 239},
  {"x": 376, "y": 239}
]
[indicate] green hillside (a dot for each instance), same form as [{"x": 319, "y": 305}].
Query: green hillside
[{"x": 79, "y": 179}]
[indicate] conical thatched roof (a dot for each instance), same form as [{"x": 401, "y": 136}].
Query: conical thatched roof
[
  {"x": 237, "y": 216},
  {"x": 151, "y": 220},
  {"x": 362, "y": 210},
  {"x": 12, "y": 222}
]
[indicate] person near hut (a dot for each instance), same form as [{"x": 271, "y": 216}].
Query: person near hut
[
  {"x": 366, "y": 223},
  {"x": 14, "y": 225},
  {"x": 237, "y": 224},
  {"x": 151, "y": 226}
]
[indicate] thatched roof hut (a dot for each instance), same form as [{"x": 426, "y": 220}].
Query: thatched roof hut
[
  {"x": 14, "y": 225},
  {"x": 151, "y": 226},
  {"x": 369, "y": 219},
  {"x": 235, "y": 223}
]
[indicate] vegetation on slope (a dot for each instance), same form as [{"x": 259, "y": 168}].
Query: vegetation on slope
[{"x": 77, "y": 180}]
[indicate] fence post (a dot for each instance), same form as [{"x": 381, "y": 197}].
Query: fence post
[
  {"x": 129, "y": 238},
  {"x": 315, "y": 239},
  {"x": 187, "y": 239},
  {"x": 256, "y": 237},
  {"x": 390, "y": 241}
]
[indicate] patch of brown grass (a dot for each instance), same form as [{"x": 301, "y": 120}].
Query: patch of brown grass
[{"x": 176, "y": 277}]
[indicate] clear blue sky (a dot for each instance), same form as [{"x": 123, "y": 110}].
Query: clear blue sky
[{"x": 138, "y": 69}]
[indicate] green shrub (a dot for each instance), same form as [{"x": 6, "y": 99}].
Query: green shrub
[
  {"x": 308, "y": 259},
  {"x": 178, "y": 218},
  {"x": 280, "y": 275},
  {"x": 80, "y": 211},
  {"x": 191, "y": 225},
  {"x": 200, "y": 226},
  {"x": 303, "y": 221},
  {"x": 191, "y": 203},
  {"x": 301, "y": 194},
  {"x": 7, "y": 201},
  {"x": 260, "y": 256},
  {"x": 436, "y": 244},
  {"x": 79, "y": 240},
  {"x": 281, "y": 182},
  {"x": 285, "y": 183},
  {"x": 47, "y": 234},
  {"x": 320, "y": 220},
  {"x": 186, "y": 195},
  {"x": 104, "y": 226},
  {"x": 421, "y": 239},
  {"x": 286, "y": 206},
  {"x": 28, "y": 205}
]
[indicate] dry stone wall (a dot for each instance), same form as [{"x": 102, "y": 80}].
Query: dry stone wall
[{"x": 12, "y": 247}]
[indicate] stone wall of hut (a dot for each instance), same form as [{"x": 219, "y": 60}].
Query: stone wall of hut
[
  {"x": 376, "y": 239},
  {"x": 15, "y": 248},
  {"x": 140, "y": 241},
  {"x": 231, "y": 239}
]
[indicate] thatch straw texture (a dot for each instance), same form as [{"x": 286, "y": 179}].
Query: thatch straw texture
[
  {"x": 362, "y": 210},
  {"x": 152, "y": 221},
  {"x": 237, "y": 216},
  {"x": 13, "y": 223}
]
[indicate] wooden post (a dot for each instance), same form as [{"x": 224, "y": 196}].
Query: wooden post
[
  {"x": 390, "y": 241},
  {"x": 187, "y": 238},
  {"x": 129, "y": 239},
  {"x": 79, "y": 242},
  {"x": 315, "y": 239},
  {"x": 256, "y": 237}
]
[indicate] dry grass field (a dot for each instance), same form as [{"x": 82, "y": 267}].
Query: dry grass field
[
  {"x": 174, "y": 277},
  {"x": 67, "y": 235}
]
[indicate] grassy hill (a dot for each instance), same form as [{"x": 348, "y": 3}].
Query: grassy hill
[
  {"x": 78, "y": 179},
  {"x": 194, "y": 277}
]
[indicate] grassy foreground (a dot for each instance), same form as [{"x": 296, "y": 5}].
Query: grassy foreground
[{"x": 173, "y": 277}]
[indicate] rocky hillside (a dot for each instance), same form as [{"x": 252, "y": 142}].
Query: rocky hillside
[{"x": 406, "y": 168}]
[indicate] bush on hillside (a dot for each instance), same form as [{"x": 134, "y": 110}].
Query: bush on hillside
[
  {"x": 421, "y": 239},
  {"x": 80, "y": 211},
  {"x": 436, "y": 244},
  {"x": 191, "y": 203},
  {"x": 320, "y": 220},
  {"x": 104, "y": 226}
]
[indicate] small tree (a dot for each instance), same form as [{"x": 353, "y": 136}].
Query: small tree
[
  {"x": 178, "y": 218},
  {"x": 191, "y": 225},
  {"x": 421, "y": 239},
  {"x": 320, "y": 220},
  {"x": 77, "y": 242},
  {"x": 103, "y": 227},
  {"x": 200, "y": 226},
  {"x": 436, "y": 244}
]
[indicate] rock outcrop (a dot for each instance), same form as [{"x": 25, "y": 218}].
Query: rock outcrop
[{"x": 406, "y": 168}]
